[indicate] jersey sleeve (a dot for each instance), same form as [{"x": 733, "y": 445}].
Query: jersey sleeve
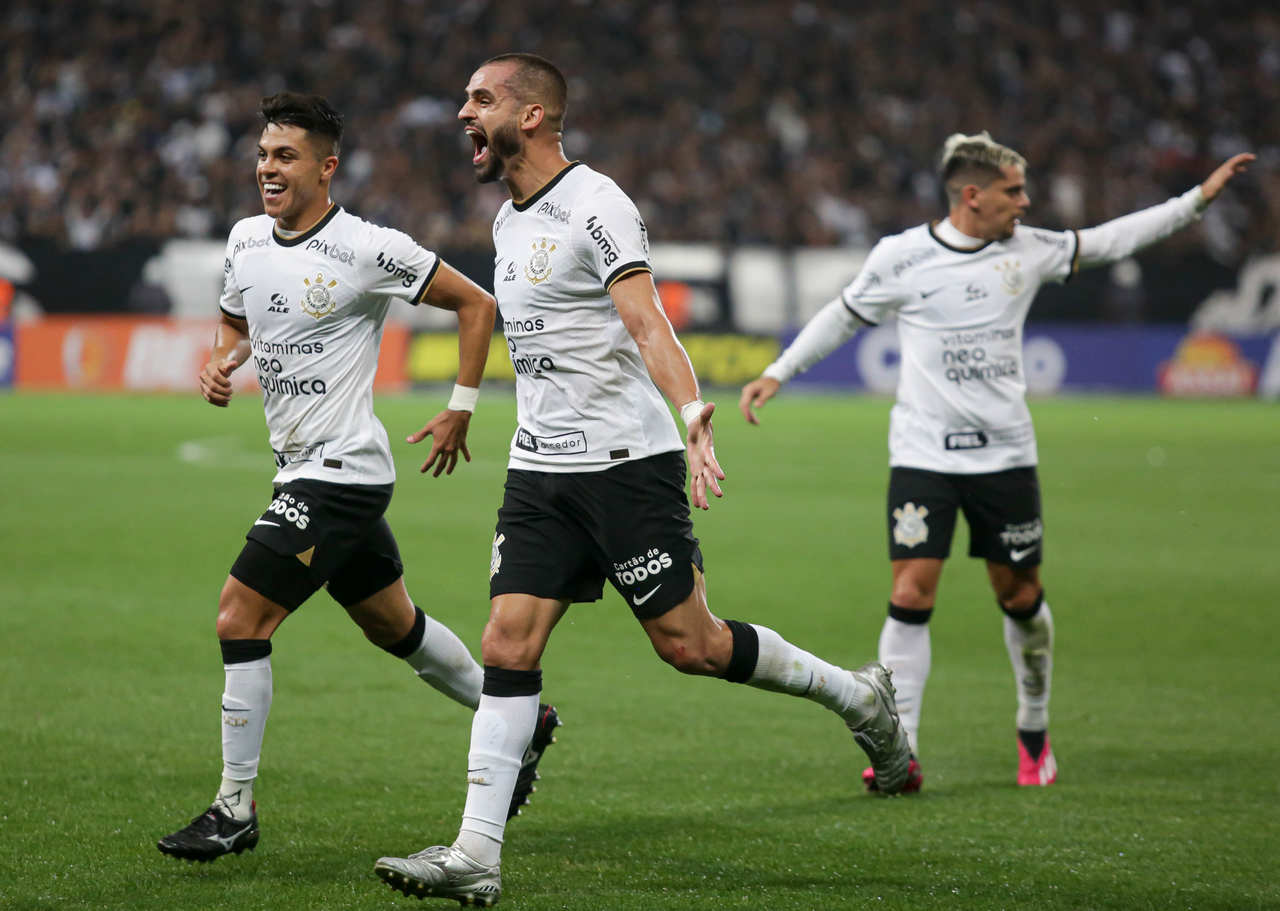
[
  {"x": 874, "y": 294},
  {"x": 231, "y": 302},
  {"x": 396, "y": 266},
  {"x": 1057, "y": 253},
  {"x": 609, "y": 232}
]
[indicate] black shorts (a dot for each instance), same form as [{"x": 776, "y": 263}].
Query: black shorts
[
  {"x": 318, "y": 533},
  {"x": 560, "y": 535},
  {"x": 1001, "y": 507}
]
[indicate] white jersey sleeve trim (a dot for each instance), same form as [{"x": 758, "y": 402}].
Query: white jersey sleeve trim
[
  {"x": 1112, "y": 241},
  {"x": 830, "y": 328}
]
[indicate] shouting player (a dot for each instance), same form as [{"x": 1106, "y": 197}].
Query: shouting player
[
  {"x": 596, "y": 466},
  {"x": 306, "y": 292},
  {"x": 960, "y": 433}
]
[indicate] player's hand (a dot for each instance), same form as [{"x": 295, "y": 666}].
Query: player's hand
[
  {"x": 704, "y": 471},
  {"x": 755, "y": 394},
  {"x": 448, "y": 432},
  {"x": 215, "y": 381},
  {"x": 1236, "y": 164}
]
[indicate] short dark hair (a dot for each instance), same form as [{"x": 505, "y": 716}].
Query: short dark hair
[
  {"x": 538, "y": 79},
  {"x": 311, "y": 112}
]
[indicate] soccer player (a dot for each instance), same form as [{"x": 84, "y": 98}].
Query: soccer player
[
  {"x": 960, "y": 433},
  {"x": 596, "y": 467},
  {"x": 307, "y": 288}
]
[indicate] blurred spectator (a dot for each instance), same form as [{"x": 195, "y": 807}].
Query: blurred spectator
[{"x": 802, "y": 123}]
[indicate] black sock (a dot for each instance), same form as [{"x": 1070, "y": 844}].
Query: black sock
[{"x": 1033, "y": 741}]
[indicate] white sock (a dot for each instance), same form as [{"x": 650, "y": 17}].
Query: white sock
[
  {"x": 906, "y": 650},
  {"x": 1030, "y": 644},
  {"x": 500, "y": 733},
  {"x": 246, "y": 702},
  {"x": 785, "y": 668},
  {"x": 443, "y": 662}
]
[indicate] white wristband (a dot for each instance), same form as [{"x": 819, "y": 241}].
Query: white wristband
[
  {"x": 689, "y": 413},
  {"x": 464, "y": 398}
]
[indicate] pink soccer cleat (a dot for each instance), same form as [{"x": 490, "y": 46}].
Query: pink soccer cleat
[{"x": 1036, "y": 773}]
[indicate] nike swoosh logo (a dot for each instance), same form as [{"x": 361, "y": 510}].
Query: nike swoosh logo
[
  {"x": 924, "y": 294},
  {"x": 641, "y": 599},
  {"x": 1017, "y": 555},
  {"x": 225, "y": 709},
  {"x": 243, "y": 290},
  {"x": 263, "y": 522}
]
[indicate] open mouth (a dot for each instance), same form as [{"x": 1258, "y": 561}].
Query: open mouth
[
  {"x": 272, "y": 190},
  {"x": 480, "y": 145}
]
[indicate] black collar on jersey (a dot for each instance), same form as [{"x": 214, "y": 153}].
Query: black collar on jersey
[
  {"x": 545, "y": 189},
  {"x": 955, "y": 249},
  {"x": 310, "y": 232}
]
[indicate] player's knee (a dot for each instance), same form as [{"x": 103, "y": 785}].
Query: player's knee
[
  {"x": 243, "y": 614},
  {"x": 498, "y": 648},
  {"x": 909, "y": 594},
  {"x": 689, "y": 655},
  {"x": 1019, "y": 597}
]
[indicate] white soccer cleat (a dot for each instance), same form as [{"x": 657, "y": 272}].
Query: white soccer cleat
[
  {"x": 442, "y": 872},
  {"x": 878, "y": 730}
]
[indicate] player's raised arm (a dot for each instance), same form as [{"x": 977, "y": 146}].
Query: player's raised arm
[
  {"x": 230, "y": 350},
  {"x": 1113, "y": 240},
  {"x": 637, "y": 302},
  {"x": 475, "y": 307}
]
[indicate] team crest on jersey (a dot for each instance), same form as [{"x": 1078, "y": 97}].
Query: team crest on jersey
[
  {"x": 316, "y": 300},
  {"x": 1010, "y": 275},
  {"x": 495, "y": 558},
  {"x": 538, "y": 269},
  {"x": 909, "y": 528}
]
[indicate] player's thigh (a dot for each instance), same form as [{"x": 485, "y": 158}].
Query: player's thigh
[
  {"x": 1004, "y": 515},
  {"x": 538, "y": 548},
  {"x": 921, "y": 512},
  {"x": 244, "y": 612},
  {"x": 637, "y": 516}
]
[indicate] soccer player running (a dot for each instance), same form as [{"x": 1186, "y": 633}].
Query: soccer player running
[
  {"x": 306, "y": 291},
  {"x": 597, "y": 468},
  {"x": 960, "y": 433}
]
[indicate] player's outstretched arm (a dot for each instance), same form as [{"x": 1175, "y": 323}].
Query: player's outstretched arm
[
  {"x": 636, "y": 299},
  {"x": 1222, "y": 175},
  {"x": 230, "y": 350},
  {"x": 451, "y": 290}
]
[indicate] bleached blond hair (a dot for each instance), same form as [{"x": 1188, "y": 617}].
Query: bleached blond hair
[{"x": 976, "y": 159}]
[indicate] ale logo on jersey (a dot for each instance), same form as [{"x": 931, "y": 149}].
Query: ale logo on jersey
[
  {"x": 1011, "y": 275},
  {"x": 316, "y": 300},
  {"x": 909, "y": 528},
  {"x": 538, "y": 269}
]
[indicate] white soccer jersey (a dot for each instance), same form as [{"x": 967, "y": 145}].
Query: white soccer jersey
[
  {"x": 961, "y": 404},
  {"x": 584, "y": 397},
  {"x": 316, "y": 304}
]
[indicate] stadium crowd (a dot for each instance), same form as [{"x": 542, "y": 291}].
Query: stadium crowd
[{"x": 810, "y": 122}]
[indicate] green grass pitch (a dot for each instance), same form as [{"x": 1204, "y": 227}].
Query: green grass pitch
[{"x": 121, "y": 516}]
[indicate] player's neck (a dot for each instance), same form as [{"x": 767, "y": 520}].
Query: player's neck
[
  {"x": 535, "y": 169},
  {"x": 959, "y": 230},
  {"x": 303, "y": 221}
]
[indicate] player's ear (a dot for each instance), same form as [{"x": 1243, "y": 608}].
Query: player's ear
[
  {"x": 532, "y": 117},
  {"x": 329, "y": 166},
  {"x": 969, "y": 193}
]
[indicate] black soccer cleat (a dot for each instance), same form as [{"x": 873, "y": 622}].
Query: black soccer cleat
[
  {"x": 543, "y": 737},
  {"x": 210, "y": 835}
]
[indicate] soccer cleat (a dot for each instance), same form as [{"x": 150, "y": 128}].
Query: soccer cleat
[
  {"x": 1037, "y": 772},
  {"x": 212, "y": 834},
  {"x": 442, "y": 872},
  {"x": 880, "y": 734},
  {"x": 543, "y": 737},
  {"x": 915, "y": 779}
]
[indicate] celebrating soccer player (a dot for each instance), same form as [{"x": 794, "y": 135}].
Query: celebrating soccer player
[
  {"x": 597, "y": 467},
  {"x": 960, "y": 433},
  {"x": 307, "y": 289}
]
